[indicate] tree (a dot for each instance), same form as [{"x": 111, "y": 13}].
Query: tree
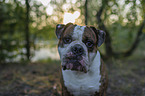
[
  {"x": 27, "y": 30},
  {"x": 11, "y": 33},
  {"x": 21, "y": 27},
  {"x": 108, "y": 42}
]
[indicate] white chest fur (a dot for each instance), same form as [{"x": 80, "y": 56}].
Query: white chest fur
[{"x": 84, "y": 84}]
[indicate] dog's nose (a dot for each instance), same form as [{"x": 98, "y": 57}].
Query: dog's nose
[{"x": 77, "y": 49}]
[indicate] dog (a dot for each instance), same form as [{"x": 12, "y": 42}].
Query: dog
[{"x": 82, "y": 70}]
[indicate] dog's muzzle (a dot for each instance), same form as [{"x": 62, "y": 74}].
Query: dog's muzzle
[{"x": 75, "y": 59}]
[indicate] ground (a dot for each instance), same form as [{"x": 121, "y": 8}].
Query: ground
[{"x": 126, "y": 78}]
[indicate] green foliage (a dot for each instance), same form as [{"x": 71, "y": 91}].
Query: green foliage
[
  {"x": 122, "y": 19},
  {"x": 12, "y": 16},
  {"x": 12, "y": 28}
]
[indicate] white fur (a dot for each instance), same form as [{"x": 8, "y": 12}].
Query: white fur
[
  {"x": 78, "y": 32},
  {"x": 84, "y": 84}
]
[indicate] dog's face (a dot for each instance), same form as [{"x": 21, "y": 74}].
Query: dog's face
[{"x": 78, "y": 45}]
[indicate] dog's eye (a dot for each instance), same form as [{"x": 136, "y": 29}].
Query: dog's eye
[
  {"x": 67, "y": 40},
  {"x": 89, "y": 44}
]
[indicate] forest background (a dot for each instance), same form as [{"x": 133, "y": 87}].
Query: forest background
[{"x": 29, "y": 61}]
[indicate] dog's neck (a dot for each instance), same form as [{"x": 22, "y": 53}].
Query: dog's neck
[{"x": 79, "y": 83}]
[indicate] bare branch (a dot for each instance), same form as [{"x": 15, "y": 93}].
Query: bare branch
[{"x": 137, "y": 40}]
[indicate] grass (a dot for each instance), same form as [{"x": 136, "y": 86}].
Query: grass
[{"x": 126, "y": 78}]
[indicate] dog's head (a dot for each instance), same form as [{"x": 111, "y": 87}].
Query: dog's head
[{"x": 78, "y": 45}]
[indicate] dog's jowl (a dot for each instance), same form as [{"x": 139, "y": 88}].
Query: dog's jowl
[{"x": 83, "y": 72}]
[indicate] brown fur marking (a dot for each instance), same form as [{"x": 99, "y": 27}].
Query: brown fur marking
[
  {"x": 90, "y": 35},
  {"x": 67, "y": 32}
]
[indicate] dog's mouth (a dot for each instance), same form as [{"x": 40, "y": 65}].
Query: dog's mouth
[{"x": 74, "y": 62}]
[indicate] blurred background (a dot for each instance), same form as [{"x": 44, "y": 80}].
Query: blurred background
[{"x": 29, "y": 61}]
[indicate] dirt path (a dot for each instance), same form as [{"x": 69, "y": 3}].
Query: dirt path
[{"x": 126, "y": 78}]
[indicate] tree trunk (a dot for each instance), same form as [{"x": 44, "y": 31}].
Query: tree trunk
[
  {"x": 86, "y": 12},
  {"x": 27, "y": 30},
  {"x": 108, "y": 43}
]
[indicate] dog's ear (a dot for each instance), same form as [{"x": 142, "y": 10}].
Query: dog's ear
[
  {"x": 60, "y": 29},
  {"x": 100, "y": 35}
]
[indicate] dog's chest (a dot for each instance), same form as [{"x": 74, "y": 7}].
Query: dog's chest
[{"x": 83, "y": 84}]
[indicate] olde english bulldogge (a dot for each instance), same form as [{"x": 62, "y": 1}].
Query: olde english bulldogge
[{"x": 83, "y": 72}]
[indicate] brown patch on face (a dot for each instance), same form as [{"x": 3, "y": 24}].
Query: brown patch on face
[
  {"x": 68, "y": 31},
  {"x": 90, "y": 36}
]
